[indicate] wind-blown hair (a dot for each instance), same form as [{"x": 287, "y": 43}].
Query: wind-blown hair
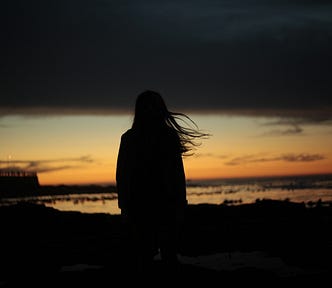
[{"x": 151, "y": 113}]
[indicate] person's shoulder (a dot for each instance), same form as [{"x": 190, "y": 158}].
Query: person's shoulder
[
  {"x": 171, "y": 137},
  {"x": 171, "y": 133},
  {"x": 127, "y": 135}
]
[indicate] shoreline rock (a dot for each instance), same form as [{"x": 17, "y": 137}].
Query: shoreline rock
[{"x": 39, "y": 240}]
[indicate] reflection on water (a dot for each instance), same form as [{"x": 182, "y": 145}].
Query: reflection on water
[
  {"x": 86, "y": 203},
  {"x": 308, "y": 190},
  {"x": 304, "y": 189},
  {"x": 245, "y": 196},
  {"x": 87, "y": 206}
]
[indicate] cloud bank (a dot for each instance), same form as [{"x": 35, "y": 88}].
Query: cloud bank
[
  {"x": 255, "y": 57},
  {"x": 291, "y": 157},
  {"x": 45, "y": 165}
]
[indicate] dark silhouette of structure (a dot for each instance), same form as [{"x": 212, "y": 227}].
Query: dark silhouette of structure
[
  {"x": 151, "y": 182},
  {"x": 17, "y": 182}
]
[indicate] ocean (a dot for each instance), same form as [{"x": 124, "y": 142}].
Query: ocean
[{"x": 310, "y": 190}]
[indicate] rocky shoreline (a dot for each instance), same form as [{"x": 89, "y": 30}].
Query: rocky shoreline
[{"x": 38, "y": 242}]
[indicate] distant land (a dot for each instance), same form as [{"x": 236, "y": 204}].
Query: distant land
[
  {"x": 75, "y": 189},
  {"x": 237, "y": 180},
  {"x": 53, "y": 190}
]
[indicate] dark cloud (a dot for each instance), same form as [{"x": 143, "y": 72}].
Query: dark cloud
[
  {"x": 46, "y": 165},
  {"x": 318, "y": 120},
  {"x": 292, "y": 130},
  {"x": 288, "y": 126},
  {"x": 291, "y": 157},
  {"x": 254, "y": 57},
  {"x": 302, "y": 157},
  {"x": 199, "y": 155}
]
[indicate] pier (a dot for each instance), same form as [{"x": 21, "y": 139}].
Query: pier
[{"x": 14, "y": 183}]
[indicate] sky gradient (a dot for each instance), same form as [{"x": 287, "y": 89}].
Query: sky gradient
[{"x": 255, "y": 74}]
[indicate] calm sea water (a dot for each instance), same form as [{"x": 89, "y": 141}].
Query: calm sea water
[{"x": 308, "y": 190}]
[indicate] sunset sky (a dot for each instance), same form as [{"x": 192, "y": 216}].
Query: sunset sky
[{"x": 254, "y": 74}]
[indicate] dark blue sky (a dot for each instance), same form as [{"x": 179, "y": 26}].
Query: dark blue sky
[{"x": 240, "y": 56}]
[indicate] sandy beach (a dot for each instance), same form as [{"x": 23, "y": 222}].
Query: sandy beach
[{"x": 265, "y": 241}]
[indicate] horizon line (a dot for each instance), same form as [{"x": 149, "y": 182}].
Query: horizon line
[{"x": 193, "y": 180}]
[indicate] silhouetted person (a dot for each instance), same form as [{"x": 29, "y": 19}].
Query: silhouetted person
[{"x": 151, "y": 182}]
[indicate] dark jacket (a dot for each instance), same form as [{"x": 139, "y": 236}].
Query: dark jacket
[{"x": 150, "y": 174}]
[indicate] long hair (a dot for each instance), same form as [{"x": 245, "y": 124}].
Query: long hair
[{"x": 151, "y": 113}]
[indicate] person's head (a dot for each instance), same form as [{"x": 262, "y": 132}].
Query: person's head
[
  {"x": 151, "y": 113},
  {"x": 150, "y": 109}
]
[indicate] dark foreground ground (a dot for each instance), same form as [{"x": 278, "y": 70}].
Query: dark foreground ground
[{"x": 265, "y": 243}]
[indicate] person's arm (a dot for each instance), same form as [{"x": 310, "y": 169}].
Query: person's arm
[
  {"x": 121, "y": 174},
  {"x": 180, "y": 181},
  {"x": 175, "y": 179}
]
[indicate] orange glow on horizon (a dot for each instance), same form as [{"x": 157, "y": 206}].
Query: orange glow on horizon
[
  {"x": 195, "y": 170},
  {"x": 83, "y": 149}
]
